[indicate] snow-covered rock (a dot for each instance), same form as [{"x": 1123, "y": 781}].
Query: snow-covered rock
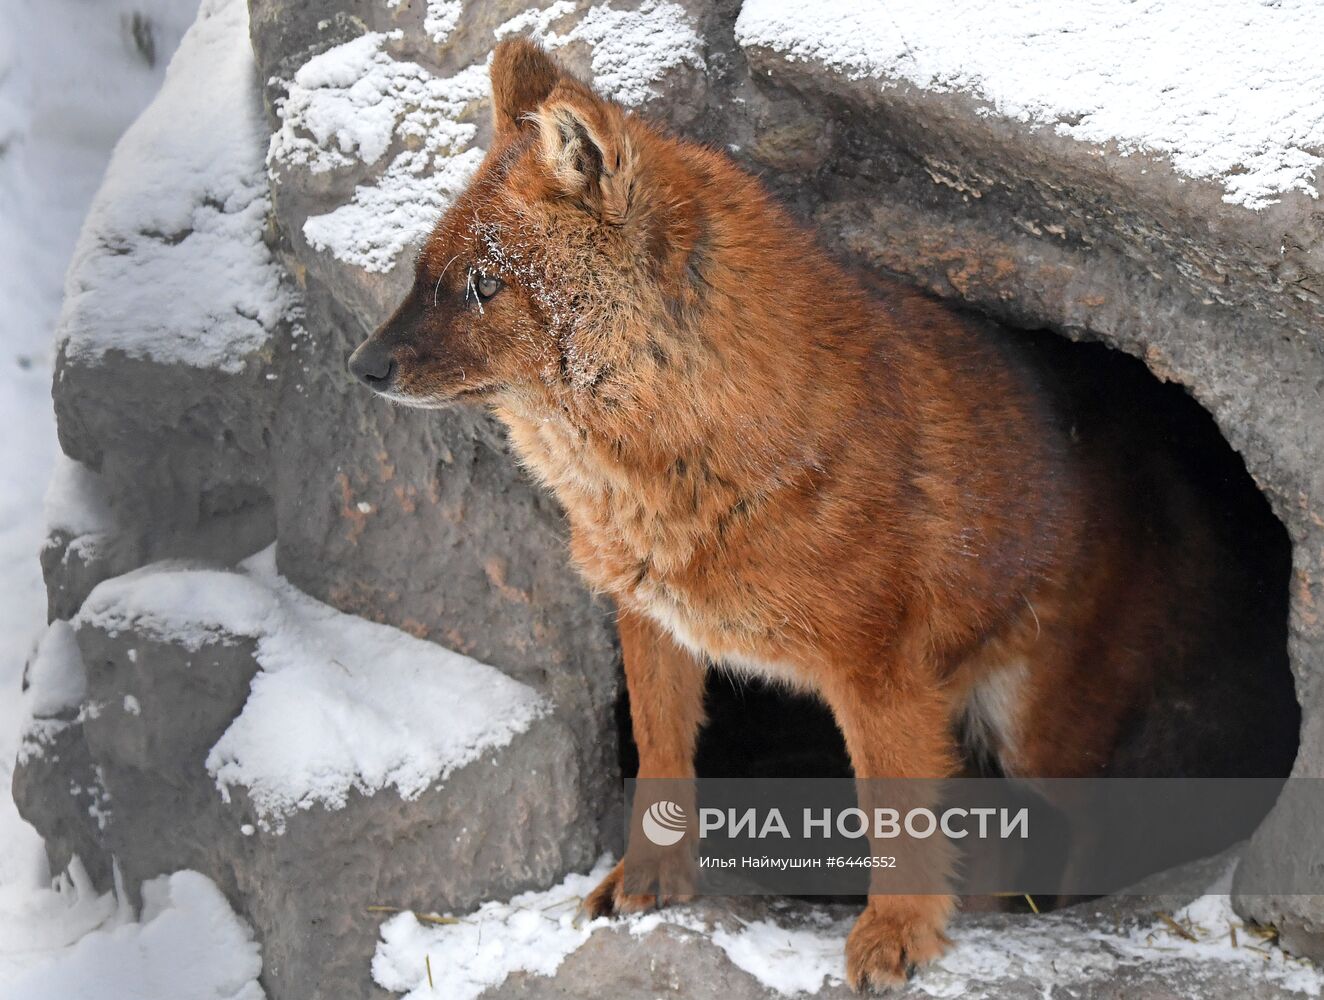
[
  {"x": 179, "y": 219},
  {"x": 85, "y": 543},
  {"x": 163, "y": 385},
  {"x": 1104, "y": 72},
  {"x": 312, "y": 763},
  {"x": 340, "y": 704},
  {"x": 756, "y": 949},
  {"x": 233, "y": 723}
]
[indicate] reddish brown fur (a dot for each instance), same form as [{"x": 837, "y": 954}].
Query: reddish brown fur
[{"x": 764, "y": 464}]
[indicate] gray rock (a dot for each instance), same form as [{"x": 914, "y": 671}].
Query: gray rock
[
  {"x": 71, "y": 565},
  {"x": 513, "y": 819},
  {"x": 58, "y": 788},
  {"x": 183, "y": 452},
  {"x": 424, "y": 521},
  {"x": 418, "y": 520},
  {"x": 164, "y": 383}
]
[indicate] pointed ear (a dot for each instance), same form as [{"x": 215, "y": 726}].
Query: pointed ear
[
  {"x": 522, "y": 77},
  {"x": 587, "y": 150}
]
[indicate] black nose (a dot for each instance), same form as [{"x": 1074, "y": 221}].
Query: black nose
[{"x": 373, "y": 365}]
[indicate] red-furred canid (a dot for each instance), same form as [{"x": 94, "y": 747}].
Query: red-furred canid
[{"x": 857, "y": 491}]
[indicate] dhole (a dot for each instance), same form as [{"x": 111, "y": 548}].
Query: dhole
[{"x": 857, "y": 491}]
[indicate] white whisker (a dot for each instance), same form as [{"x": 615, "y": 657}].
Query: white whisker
[
  {"x": 469, "y": 286},
  {"x": 437, "y": 291}
]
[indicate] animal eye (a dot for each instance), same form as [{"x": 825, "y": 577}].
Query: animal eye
[{"x": 487, "y": 286}]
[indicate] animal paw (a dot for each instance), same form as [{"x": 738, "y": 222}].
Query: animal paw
[
  {"x": 668, "y": 879},
  {"x": 894, "y": 935}
]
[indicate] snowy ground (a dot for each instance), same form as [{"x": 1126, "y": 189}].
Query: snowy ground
[
  {"x": 73, "y": 76},
  {"x": 535, "y": 932}
]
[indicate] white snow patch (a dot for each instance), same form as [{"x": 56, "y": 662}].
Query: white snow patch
[
  {"x": 789, "y": 960},
  {"x": 1058, "y": 950},
  {"x": 355, "y": 104},
  {"x": 77, "y": 507},
  {"x": 76, "y": 501},
  {"x": 171, "y": 264},
  {"x": 56, "y": 687},
  {"x": 441, "y": 18},
  {"x": 1227, "y": 89},
  {"x": 340, "y": 703},
  {"x": 97, "y": 795},
  {"x": 57, "y": 681},
  {"x": 536, "y": 931},
  {"x": 39, "y": 925},
  {"x": 535, "y": 21},
  {"x": 632, "y": 49},
  {"x": 352, "y": 104},
  {"x": 189, "y": 945},
  {"x": 1209, "y": 919}
]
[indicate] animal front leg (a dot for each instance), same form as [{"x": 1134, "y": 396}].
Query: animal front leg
[
  {"x": 666, "y": 686},
  {"x": 895, "y": 725}
]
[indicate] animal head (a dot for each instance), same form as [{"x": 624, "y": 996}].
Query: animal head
[{"x": 549, "y": 277}]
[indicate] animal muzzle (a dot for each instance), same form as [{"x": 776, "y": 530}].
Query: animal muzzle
[{"x": 374, "y": 365}]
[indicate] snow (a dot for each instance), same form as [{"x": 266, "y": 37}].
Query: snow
[
  {"x": 633, "y": 49},
  {"x": 56, "y": 680},
  {"x": 535, "y": 21},
  {"x": 536, "y": 931},
  {"x": 77, "y": 510},
  {"x": 789, "y": 960},
  {"x": 441, "y": 18},
  {"x": 75, "y": 502},
  {"x": 352, "y": 105},
  {"x": 38, "y": 927},
  {"x": 56, "y": 687},
  {"x": 1227, "y": 89},
  {"x": 188, "y": 945},
  {"x": 340, "y": 704},
  {"x": 180, "y": 215},
  {"x": 72, "y": 78},
  {"x": 1059, "y": 951},
  {"x": 355, "y": 104}
]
